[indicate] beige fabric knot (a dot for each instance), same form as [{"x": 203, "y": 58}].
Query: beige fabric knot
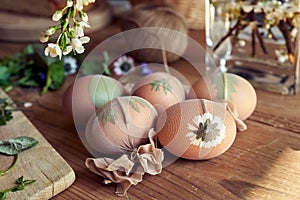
[{"x": 128, "y": 170}]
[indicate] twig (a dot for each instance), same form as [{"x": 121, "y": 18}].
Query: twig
[
  {"x": 238, "y": 29},
  {"x": 261, "y": 41},
  {"x": 253, "y": 41},
  {"x": 254, "y": 2},
  {"x": 283, "y": 27},
  {"x": 227, "y": 35}
]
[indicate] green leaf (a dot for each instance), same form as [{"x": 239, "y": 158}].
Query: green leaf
[
  {"x": 103, "y": 89},
  {"x": 107, "y": 115},
  {"x": 5, "y": 111},
  {"x": 21, "y": 184},
  {"x": 4, "y": 75},
  {"x": 156, "y": 84},
  {"x": 2, "y": 195},
  {"x": 17, "y": 145},
  {"x": 28, "y": 50},
  {"x": 57, "y": 75},
  {"x": 134, "y": 105},
  {"x": 133, "y": 102},
  {"x": 96, "y": 66},
  {"x": 229, "y": 86}
]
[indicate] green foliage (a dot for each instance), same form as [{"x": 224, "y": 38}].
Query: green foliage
[
  {"x": 17, "y": 145},
  {"x": 5, "y": 111},
  {"x": 155, "y": 85},
  {"x": 96, "y": 67},
  {"x": 21, "y": 184},
  {"x": 107, "y": 115},
  {"x": 30, "y": 68},
  {"x": 13, "y": 147},
  {"x": 225, "y": 86},
  {"x": 229, "y": 87},
  {"x": 133, "y": 102}
]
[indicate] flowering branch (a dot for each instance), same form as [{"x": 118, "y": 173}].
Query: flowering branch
[
  {"x": 284, "y": 15},
  {"x": 72, "y": 21}
]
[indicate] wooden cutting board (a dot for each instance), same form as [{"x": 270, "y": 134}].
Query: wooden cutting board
[{"x": 41, "y": 163}]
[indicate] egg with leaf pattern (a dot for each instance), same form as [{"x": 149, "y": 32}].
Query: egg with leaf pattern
[
  {"x": 120, "y": 126},
  {"x": 87, "y": 93},
  {"x": 161, "y": 89},
  {"x": 229, "y": 87}
]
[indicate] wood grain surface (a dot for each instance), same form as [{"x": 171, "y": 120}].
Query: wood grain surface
[
  {"x": 263, "y": 162},
  {"x": 41, "y": 163},
  {"x": 26, "y": 27}
]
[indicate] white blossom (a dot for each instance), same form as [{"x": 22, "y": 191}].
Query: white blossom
[
  {"x": 84, "y": 39},
  {"x": 84, "y": 24},
  {"x": 77, "y": 45},
  {"x": 50, "y": 31},
  {"x": 281, "y": 55},
  {"x": 57, "y": 16},
  {"x": 53, "y": 50},
  {"x": 123, "y": 65},
  {"x": 212, "y": 127},
  {"x": 70, "y": 65},
  {"x": 69, "y": 3},
  {"x": 79, "y": 4},
  {"x": 67, "y": 50},
  {"x": 84, "y": 17},
  {"x": 44, "y": 37},
  {"x": 247, "y": 8},
  {"x": 78, "y": 31}
]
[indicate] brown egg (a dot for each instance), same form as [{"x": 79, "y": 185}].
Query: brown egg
[
  {"x": 161, "y": 89},
  {"x": 120, "y": 126},
  {"x": 196, "y": 129},
  {"x": 229, "y": 87},
  {"x": 88, "y": 93}
]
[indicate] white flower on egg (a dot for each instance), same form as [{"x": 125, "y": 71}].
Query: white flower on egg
[{"x": 206, "y": 131}]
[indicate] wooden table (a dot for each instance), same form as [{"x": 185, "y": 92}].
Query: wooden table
[{"x": 263, "y": 163}]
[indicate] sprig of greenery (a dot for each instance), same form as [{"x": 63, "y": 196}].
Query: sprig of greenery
[
  {"x": 31, "y": 68},
  {"x": 162, "y": 82},
  {"x": 96, "y": 66},
  {"x": 16, "y": 145},
  {"x": 5, "y": 111},
  {"x": 21, "y": 184},
  {"x": 13, "y": 147}
]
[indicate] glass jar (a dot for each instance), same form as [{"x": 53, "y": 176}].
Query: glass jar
[{"x": 262, "y": 38}]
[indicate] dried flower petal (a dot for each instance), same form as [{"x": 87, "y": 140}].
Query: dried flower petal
[{"x": 207, "y": 131}]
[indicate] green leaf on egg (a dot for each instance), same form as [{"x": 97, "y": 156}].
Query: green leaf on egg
[
  {"x": 225, "y": 86},
  {"x": 107, "y": 115},
  {"x": 133, "y": 102},
  {"x": 229, "y": 87},
  {"x": 102, "y": 89},
  {"x": 162, "y": 82}
]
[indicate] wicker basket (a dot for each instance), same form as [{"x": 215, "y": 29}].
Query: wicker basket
[{"x": 192, "y": 10}]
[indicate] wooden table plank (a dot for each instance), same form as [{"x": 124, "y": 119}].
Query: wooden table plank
[{"x": 263, "y": 162}]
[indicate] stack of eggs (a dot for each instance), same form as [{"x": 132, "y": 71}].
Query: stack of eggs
[{"x": 195, "y": 126}]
